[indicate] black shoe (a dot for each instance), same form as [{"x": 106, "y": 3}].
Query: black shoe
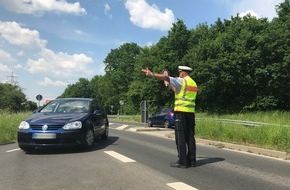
[
  {"x": 192, "y": 164},
  {"x": 177, "y": 165}
]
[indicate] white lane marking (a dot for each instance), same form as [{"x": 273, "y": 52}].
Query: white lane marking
[
  {"x": 122, "y": 127},
  {"x": 180, "y": 186},
  {"x": 119, "y": 156},
  {"x": 13, "y": 150}
]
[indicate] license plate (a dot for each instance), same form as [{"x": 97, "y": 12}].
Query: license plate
[{"x": 44, "y": 136}]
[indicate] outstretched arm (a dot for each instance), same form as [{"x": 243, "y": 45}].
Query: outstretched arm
[{"x": 156, "y": 75}]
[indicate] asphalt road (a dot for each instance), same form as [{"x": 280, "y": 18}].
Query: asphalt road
[{"x": 137, "y": 161}]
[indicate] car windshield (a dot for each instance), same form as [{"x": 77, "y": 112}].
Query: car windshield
[{"x": 66, "y": 106}]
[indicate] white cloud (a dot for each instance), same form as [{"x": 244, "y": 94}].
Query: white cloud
[
  {"x": 148, "y": 44},
  {"x": 6, "y": 65},
  {"x": 5, "y": 56},
  {"x": 80, "y": 32},
  {"x": 49, "y": 82},
  {"x": 4, "y": 68},
  {"x": 60, "y": 64},
  {"x": 249, "y": 12},
  {"x": 20, "y": 53},
  {"x": 146, "y": 16},
  {"x": 107, "y": 10},
  {"x": 46, "y": 61},
  {"x": 57, "y": 69},
  {"x": 16, "y": 35},
  {"x": 41, "y": 6},
  {"x": 260, "y": 8},
  {"x": 18, "y": 66}
]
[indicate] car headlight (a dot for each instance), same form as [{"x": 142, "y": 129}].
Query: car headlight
[
  {"x": 73, "y": 125},
  {"x": 23, "y": 125}
]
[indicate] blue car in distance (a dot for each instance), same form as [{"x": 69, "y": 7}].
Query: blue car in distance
[
  {"x": 163, "y": 118},
  {"x": 64, "y": 122}
]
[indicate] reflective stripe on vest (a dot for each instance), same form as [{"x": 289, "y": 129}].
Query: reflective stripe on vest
[{"x": 185, "y": 99}]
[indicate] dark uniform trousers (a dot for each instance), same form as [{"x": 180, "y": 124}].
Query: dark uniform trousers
[{"x": 184, "y": 137}]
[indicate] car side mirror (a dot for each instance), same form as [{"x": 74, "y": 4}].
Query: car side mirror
[{"x": 97, "y": 112}]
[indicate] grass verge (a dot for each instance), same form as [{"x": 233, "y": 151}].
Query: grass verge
[
  {"x": 265, "y": 136},
  {"x": 9, "y": 125}
]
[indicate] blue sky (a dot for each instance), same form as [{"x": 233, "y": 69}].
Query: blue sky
[{"x": 46, "y": 45}]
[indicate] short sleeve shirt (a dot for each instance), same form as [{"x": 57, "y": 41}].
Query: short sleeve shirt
[{"x": 176, "y": 82}]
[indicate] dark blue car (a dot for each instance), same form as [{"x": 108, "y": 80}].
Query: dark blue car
[
  {"x": 163, "y": 118},
  {"x": 64, "y": 122}
]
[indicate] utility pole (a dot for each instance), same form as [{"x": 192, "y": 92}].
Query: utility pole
[{"x": 12, "y": 79}]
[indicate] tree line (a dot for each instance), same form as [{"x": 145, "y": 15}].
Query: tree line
[
  {"x": 13, "y": 99},
  {"x": 239, "y": 64}
]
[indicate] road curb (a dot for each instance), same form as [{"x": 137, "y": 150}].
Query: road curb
[
  {"x": 146, "y": 129},
  {"x": 249, "y": 149}
]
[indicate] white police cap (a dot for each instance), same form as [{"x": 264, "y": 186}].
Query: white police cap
[{"x": 184, "y": 68}]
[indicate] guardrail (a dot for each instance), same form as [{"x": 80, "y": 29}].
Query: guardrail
[
  {"x": 248, "y": 123},
  {"x": 123, "y": 116},
  {"x": 238, "y": 122}
]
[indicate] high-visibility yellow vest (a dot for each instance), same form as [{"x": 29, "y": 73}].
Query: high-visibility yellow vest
[{"x": 185, "y": 98}]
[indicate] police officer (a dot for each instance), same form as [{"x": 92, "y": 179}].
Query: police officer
[{"x": 185, "y": 90}]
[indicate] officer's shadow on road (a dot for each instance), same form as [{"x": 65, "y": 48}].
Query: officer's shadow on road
[
  {"x": 99, "y": 145},
  {"x": 207, "y": 160}
]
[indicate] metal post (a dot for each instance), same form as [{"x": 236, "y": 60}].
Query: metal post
[{"x": 145, "y": 110}]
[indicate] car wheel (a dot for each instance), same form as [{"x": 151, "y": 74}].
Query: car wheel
[
  {"x": 26, "y": 148},
  {"x": 106, "y": 133},
  {"x": 166, "y": 124},
  {"x": 89, "y": 138},
  {"x": 149, "y": 123}
]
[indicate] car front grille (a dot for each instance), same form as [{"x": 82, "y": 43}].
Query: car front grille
[{"x": 50, "y": 127}]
